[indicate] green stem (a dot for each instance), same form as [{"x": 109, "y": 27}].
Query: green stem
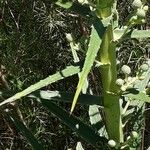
[{"x": 109, "y": 76}]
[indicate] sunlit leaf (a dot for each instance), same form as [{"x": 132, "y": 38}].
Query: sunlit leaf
[
  {"x": 94, "y": 45},
  {"x": 69, "y": 71}
]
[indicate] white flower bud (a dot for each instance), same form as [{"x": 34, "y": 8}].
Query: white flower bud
[
  {"x": 141, "y": 13},
  {"x": 111, "y": 143},
  {"x": 119, "y": 82},
  {"x": 144, "y": 67},
  {"x": 145, "y": 8},
  {"x": 126, "y": 69},
  {"x": 137, "y": 3}
]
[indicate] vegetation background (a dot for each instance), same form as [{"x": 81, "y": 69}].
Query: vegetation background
[{"x": 32, "y": 46}]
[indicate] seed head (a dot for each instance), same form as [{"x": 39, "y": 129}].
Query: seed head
[
  {"x": 126, "y": 69},
  {"x": 137, "y": 3},
  {"x": 141, "y": 13},
  {"x": 111, "y": 143},
  {"x": 119, "y": 82},
  {"x": 144, "y": 67}
]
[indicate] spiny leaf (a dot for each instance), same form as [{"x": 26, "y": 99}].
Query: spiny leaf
[
  {"x": 94, "y": 45},
  {"x": 32, "y": 140},
  {"x": 76, "y": 125},
  {"x": 69, "y": 71}
]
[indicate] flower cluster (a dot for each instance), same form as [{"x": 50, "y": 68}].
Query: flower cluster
[
  {"x": 140, "y": 12},
  {"x": 128, "y": 81}
]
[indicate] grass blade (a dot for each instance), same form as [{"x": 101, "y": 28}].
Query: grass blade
[
  {"x": 69, "y": 71},
  {"x": 84, "y": 99},
  {"x": 94, "y": 45},
  {"x": 76, "y": 125}
]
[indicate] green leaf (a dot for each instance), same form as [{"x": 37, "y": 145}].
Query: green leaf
[
  {"x": 76, "y": 7},
  {"x": 32, "y": 140},
  {"x": 94, "y": 45},
  {"x": 141, "y": 84},
  {"x": 64, "y": 4},
  {"x": 76, "y": 125},
  {"x": 76, "y": 60},
  {"x": 131, "y": 34},
  {"x": 69, "y": 71},
  {"x": 85, "y": 99},
  {"x": 137, "y": 95},
  {"x": 140, "y": 34},
  {"x": 96, "y": 120}
]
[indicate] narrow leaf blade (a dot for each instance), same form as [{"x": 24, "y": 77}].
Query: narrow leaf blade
[
  {"x": 94, "y": 45},
  {"x": 75, "y": 124},
  {"x": 84, "y": 99},
  {"x": 31, "y": 139},
  {"x": 69, "y": 71}
]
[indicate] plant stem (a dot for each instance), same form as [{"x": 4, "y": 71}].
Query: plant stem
[{"x": 109, "y": 76}]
